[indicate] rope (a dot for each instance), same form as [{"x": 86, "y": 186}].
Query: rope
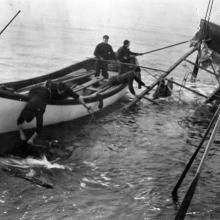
[
  {"x": 154, "y": 76},
  {"x": 162, "y": 48},
  {"x": 183, "y": 83},
  {"x": 9, "y": 22}
]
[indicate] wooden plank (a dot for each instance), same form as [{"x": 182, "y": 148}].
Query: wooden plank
[
  {"x": 71, "y": 79},
  {"x": 87, "y": 84}
]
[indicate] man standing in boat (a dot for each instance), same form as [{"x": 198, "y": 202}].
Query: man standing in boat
[
  {"x": 103, "y": 52},
  {"x": 38, "y": 96},
  {"x": 126, "y": 57}
]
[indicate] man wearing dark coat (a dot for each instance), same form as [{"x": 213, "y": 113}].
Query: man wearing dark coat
[
  {"x": 39, "y": 97},
  {"x": 103, "y": 53},
  {"x": 126, "y": 57}
]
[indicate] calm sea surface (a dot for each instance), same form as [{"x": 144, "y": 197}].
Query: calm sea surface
[{"x": 125, "y": 163}]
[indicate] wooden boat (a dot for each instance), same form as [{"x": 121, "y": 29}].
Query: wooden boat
[{"x": 80, "y": 76}]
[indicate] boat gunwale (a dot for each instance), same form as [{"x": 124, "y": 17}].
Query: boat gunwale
[
  {"x": 86, "y": 64},
  {"x": 88, "y": 99},
  {"x": 50, "y": 76}
]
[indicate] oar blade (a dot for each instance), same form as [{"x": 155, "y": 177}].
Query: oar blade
[
  {"x": 187, "y": 200},
  {"x": 181, "y": 178}
]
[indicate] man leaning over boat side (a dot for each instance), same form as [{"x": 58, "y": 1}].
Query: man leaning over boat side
[
  {"x": 103, "y": 53},
  {"x": 39, "y": 97},
  {"x": 126, "y": 57},
  {"x": 125, "y": 78},
  {"x": 60, "y": 91}
]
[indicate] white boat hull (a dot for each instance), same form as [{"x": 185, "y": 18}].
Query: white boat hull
[{"x": 10, "y": 110}]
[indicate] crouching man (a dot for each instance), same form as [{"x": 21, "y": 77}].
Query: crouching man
[{"x": 39, "y": 97}]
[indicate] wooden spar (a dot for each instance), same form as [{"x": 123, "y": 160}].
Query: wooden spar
[
  {"x": 189, "y": 61},
  {"x": 134, "y": 65},
  {"x": 87, "y": 84},
  {"x": 145, "y": 67},
  {"x": 18, "y": 173},
  {"x": 188, "y": 197},
  {"x": 180, "y": 180},
  {"x": 178, "y": 84},
  {"x": 151, "y": 100},
  {"x": 187, "y": 88},
  {"x": 142, "y": 94},
  {"x": 196, "y": 67},
  {"x": 217, "y": 78},
  {"x": 9, "y": 22}
]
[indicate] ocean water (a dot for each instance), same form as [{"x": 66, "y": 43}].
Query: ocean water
[{"x": 125, "y": 163}]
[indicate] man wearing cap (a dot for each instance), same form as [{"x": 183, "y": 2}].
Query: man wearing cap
[
  {"x": 103, "y": 52},
  {"x": 124, "y": 55}
]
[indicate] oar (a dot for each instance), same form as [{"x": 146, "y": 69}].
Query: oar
[
  {"x": 63, "y": 79},
  {"x": 187, "y": 88},
  {"x": 9, "y": 22},
  {"x": 178, "y": 84},
  {"x": 144, "y": 67},
  {"x": 188, "y": 197},
  {"x": 128, "y": 64},
  {"x": 162, "y": 48},
  {"x": 214, "y": 95},
  {"x": 151, "y": 100},
  {"x": 199, "y": 66},
  {"x": 142, "y": 94},
  {"x": 87, "y": 84},
  {"x": 216, "y": 75},
  {"x": 18, "y": 173},
  {"x": 174, "y": 192},
  {"x": 196, "y": 67}
]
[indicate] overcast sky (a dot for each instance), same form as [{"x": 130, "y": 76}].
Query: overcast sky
[{"x": 113, "y": 12}]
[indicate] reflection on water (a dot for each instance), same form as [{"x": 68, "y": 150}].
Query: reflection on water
[
  {"x": 124, "y": 166},
  {"x": 125, "y": 163}
]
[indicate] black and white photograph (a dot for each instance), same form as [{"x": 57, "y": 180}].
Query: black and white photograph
[{"x": 109, "y": 109}]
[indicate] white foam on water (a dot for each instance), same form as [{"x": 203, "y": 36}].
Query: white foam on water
[
  {"x": 96, "y": 181},
  {"x": 30, "y": 162},
  {"x": 83, "y": 185},
  {"x": 103, "y": 175},
  {"x": 155, "y": 209},
  {"x": 44, "y": 163},
  {"x": 139, "y": 198}
]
